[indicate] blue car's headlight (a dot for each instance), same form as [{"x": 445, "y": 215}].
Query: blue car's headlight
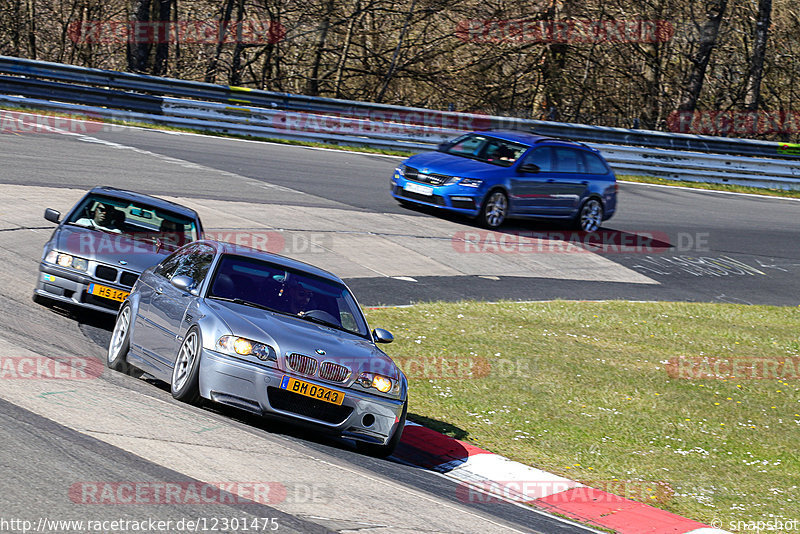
[
  {"x": 470, "y": 182},
  {"x": 401, "y": 170}
]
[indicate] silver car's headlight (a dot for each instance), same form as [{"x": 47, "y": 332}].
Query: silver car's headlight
[
  {"x": 382, "y": 383},
  {"x": 239, "y": 346},
  {"x": 67, "y": 260}
]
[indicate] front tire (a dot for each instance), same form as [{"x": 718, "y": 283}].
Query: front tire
[
  {"x": 494, "y": 210},
  {"x": 185, "y": 374},
  {"x": 384, "y": 451},
  {"x": 119, "y": 345},
  {"x": 590, "y": 216}
]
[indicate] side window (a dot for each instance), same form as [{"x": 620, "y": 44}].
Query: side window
[
  {"x": 195, "y": 263},
  {"x": 568, "y": 160},
  {"x": 542, "y": 157},
  {"x": 468, "y": 146},
  {"x": 168, "y": 266},
  {"x": 595, "y": 165}
]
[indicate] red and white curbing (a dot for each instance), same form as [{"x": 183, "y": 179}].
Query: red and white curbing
[{"x": 484, "y": 475}]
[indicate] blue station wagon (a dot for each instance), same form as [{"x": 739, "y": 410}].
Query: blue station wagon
[{"x": 498, "y": 175}]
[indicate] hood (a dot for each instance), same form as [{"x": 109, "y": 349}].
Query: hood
[
  {"x": 108, "y": 248},
  {"x": 448, "y": 164},
  {"x": 289, "y": 334}
]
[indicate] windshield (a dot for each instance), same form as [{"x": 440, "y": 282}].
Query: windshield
[
  {"x": 487, "y": 149},
  {"x": 287, "y": 291},
  {"x": 139, "y": 221}
]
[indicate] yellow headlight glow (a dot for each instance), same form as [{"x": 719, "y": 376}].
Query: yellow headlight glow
[
  {"x": 381, "y": 383},
  {"x": 65, "y": 260},
  {"x": 242, "y": 346}
]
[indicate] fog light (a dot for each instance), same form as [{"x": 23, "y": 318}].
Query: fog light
[{"x": 368, "y": 420}]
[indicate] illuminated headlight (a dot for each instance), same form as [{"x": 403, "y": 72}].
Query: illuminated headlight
[
  {"x": 379, "y": 382},
  {"x": 239, "y": 346},
  {"x": 66, "y": 260},
  {"x": 470, "y": 182},
  {"x": 401, "y": 170}
]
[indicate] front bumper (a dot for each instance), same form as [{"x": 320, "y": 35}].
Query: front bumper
[
  {"x": 251, "y": 387},
  {"x": 70, "y": 287},
  {"x": 455, "y": 198}
]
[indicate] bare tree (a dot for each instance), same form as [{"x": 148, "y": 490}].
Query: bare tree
[
  {"x": 715, "y": 10},
  {"x": 752, "y": 98}
]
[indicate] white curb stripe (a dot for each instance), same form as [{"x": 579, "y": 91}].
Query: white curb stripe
[{"x": 512, "y": 480}]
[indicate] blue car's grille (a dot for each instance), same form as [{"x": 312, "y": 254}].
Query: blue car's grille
[{"x": 434, "y": 179}]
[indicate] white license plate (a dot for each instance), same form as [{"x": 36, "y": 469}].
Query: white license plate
[{"x": 419, "y": 189}]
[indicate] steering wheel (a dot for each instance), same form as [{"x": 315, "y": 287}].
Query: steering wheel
[{"x": 324, "y": 316}]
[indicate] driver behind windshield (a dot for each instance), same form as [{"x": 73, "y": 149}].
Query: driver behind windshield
[
  {"x": 103, "y": 218},
  {"x": 297, "y": 297}
]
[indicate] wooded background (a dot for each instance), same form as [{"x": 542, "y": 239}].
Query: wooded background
[{"x": 724, "y": 55}]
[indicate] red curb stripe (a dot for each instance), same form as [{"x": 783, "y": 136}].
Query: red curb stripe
[
  {"x": 428, "y": 448},
  {"x": 617, "y": 513}
]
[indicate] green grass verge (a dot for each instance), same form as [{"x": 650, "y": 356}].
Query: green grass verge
[{"x": 583, "y": 390}]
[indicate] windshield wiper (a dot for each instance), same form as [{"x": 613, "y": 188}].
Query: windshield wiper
[{"x": 242, "y": 302}]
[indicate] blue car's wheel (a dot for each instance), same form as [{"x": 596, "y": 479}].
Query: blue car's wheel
[
  {"x": 494, "y": 210},
  {"x": 185, "y": 374},
  {"x": 590, "y": 216}
]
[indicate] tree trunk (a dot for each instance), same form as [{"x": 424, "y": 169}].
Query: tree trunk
[
  {"x": 139, "y": 52},
  {"x": 213, "y": 65},
  {"x": 235, "y": 77},
  {"x": 393, "y": 65},
  {"x": 312, "y": 87},
  {"x": 752, "y": 99},
  {"x": 163, "y": 35},
  {"x": 708, "y": 40}
]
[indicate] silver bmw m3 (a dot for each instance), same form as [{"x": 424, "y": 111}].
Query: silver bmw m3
[
  {"x": 266, "y": 334},
  {"x": 110, "y": 236}
]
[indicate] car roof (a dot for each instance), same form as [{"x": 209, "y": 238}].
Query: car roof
[
  {"x": 223, "y": 247},
  {"x": 158, "y": 203},
  {"x": 530, "y": 138}
]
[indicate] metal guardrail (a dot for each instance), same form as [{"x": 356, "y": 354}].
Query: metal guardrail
[{"x": 243, "y": 111}]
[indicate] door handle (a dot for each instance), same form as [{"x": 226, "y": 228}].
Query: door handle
[
  {"x": 551, "y": 180},
  {"x": 159, "y": 290}
]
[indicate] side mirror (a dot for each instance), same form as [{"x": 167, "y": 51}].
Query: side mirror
[
  {"x": 382, "y": 336},
  {"x": 531, "y": 168},
  {"x": 442, "y": 147},
  {"x": 52, "y": 215},
  {"x": 184, "y": 283}
]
